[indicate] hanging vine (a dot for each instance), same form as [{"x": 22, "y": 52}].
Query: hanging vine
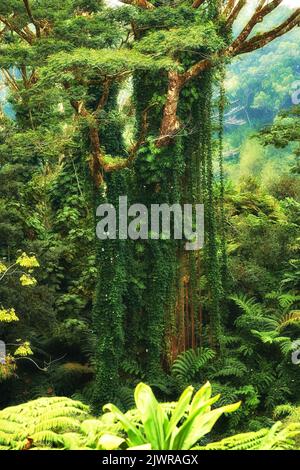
[{"x": 221, "y": 106}]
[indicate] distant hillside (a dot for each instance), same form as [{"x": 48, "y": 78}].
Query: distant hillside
[{"x": 260, "y": 84}]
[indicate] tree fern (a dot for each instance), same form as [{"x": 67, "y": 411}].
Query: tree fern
[
  {"x": 41, "y": 422},
  {"x": 268, "y": 325},
  {"x": 285, "y": 300},
  {"x": 60, "y": 423},
  {"x": 283, "y": 411},
  {"x": 246, "y": 441}
]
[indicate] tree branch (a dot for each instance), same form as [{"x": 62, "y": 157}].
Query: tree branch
[
  {"x": 197, "y": 3},
  {"x": 144, "y": 4},
  {"x": 104, "y": 96},
  {"x": 228, "y": 8},
  {"x": 262, "y": 39},
  {"x": 32, "y": 19},
  {"x": 99, "y": 162},
  {"x": 27, "y": 37},
  {"x": 235, "y": 12},
  {"x": 143, "y": 134},
  {"x": 260, "y": 13},
  {"x": 10, "y": 80}
]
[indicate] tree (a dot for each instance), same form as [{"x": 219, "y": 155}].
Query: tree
[{"x": 148, "y": 298}]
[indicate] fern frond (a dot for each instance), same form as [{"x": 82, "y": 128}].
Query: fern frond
[
  {"x": 62, "y": 423},
  {"x": 231, "y": 367},
  {"x": 49, "y": 438},
  {"x": 190, "y": 362},
  {"x": 283, "y": 410},
  {"x": 276, "y": 438},
  {"x": 292, "y": 318},
  {"x": 6, "y": 439},
  {"x": 126, "y": 397},
  {"x": 42, "y": 422},
  {"x": 248, "y": 305},
  {"x": 246, "y": 441},
  {"x": 287, "y": 300}
]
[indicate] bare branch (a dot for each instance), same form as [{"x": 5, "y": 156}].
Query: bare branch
[
  {"x": 235, "y": 12},
  {"x": 47, "y": 365},
  {"x": 262, "y": 39},
  {"x": 228, "y": 8},
  {"x": 260, "y": 13}
]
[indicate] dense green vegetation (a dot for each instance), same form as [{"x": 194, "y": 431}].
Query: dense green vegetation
[
  {"x": 165, "y": 102},
  {"x": 62, "y": 423}
]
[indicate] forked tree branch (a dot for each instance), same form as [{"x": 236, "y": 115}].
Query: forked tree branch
[
  {"x": 99, "y": 163},
  {"x": 260, "y": 40},
  {"x": 170, "y": 123},
  {"x": 260, "y": 13},
  {"x": 28, "y": 37}
]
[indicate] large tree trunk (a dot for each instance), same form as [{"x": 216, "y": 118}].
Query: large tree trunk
[
  {"x": 170, "y": 124},
  {"x": 187, "y": 329}
]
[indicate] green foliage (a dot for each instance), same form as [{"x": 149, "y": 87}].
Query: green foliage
[
  {"x": 175, "y": 40},
  {"x": 65, "y": 66},
  {"x": 254, "y": 99},
  {"x": 284, "y": 130},
  {"x": 270, "y": 325}
]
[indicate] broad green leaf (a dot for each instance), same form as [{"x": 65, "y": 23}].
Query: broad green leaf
[
  {"x": 153, "y": 416},
  {"x": 201, "y": 397},
  {"x": 180, "y": 409},
  {"x": 198, "y": 425},
  {"x": 136, "y": 436}
]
